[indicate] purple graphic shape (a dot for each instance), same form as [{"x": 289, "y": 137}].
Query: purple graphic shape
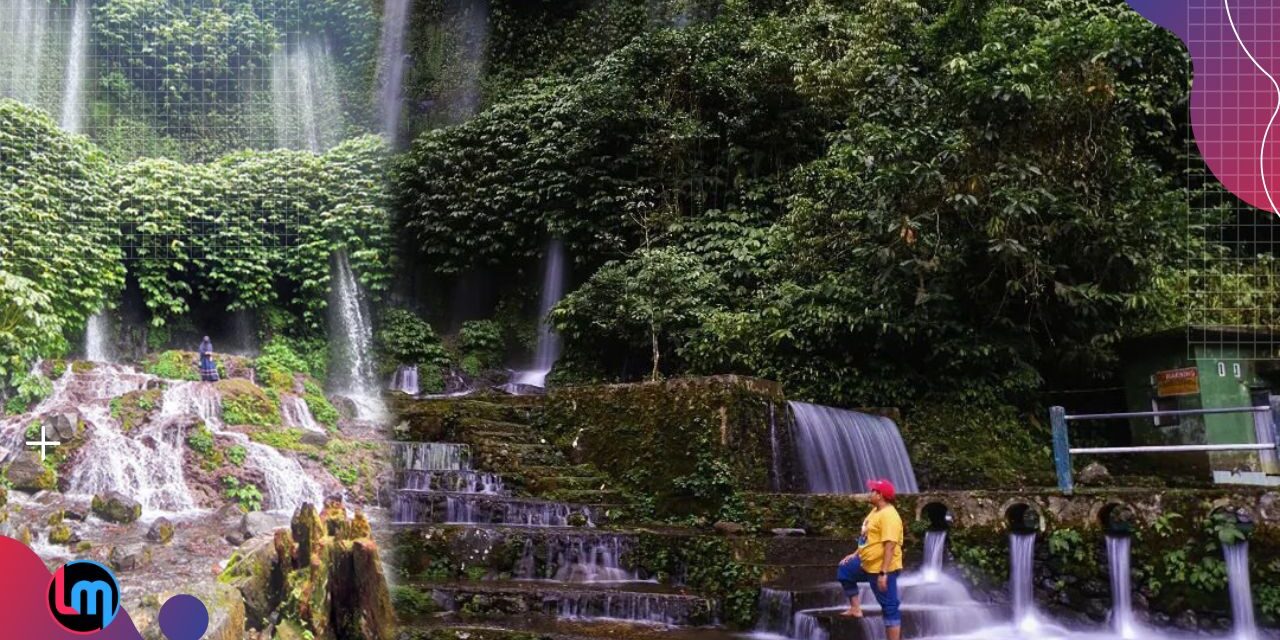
[
  {"x": 183, "y": 617},
  {"x": 1235, "y": 95}
]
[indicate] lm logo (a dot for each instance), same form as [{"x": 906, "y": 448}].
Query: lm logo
[{"x": 84, "y": 597}]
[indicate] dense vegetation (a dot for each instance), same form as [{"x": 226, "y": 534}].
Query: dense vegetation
[{"x": 863, "y": 200}]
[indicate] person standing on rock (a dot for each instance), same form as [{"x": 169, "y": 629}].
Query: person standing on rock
[
  {"x": 208, "y": 368},
  {"x": 878, "y": 560}
]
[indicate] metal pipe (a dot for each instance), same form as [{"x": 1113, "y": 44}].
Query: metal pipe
[
  {"x": 1177, "y": 448},
  {"x": 1179, "y": 412}
]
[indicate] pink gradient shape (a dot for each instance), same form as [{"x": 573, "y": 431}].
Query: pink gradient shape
[{"x": 24, "y": 600}]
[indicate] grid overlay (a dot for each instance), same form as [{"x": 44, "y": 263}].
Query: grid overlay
[
  {"x": 113, "y": 71},
  {"x": 1232, "y": 281}
]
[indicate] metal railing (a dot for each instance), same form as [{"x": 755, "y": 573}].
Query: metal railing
[{"x": 1062, "y": 449}]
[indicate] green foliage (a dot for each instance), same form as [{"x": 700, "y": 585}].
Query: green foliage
[
  {"x": 173, "y": 365},
  {"x": 28, "y": 390},
  {"x": 277, "y": 364},
  {"x": 989, "y": 444},
  {"x": 321, "y": 409},
  {"x": 481, "y": 345},
  {"x": 654, "y": 299},
  {"x": 406, "y": 339},
  {"x": 201, "y": 441},
  {"x": 59, "y": 254},
  {"x": 235, "y": 454},
  {"x": 286, "y": 439},
  {"x": 1068, "y": 545},
  {"x": 247, "y": 494},
  {"x": 243, "y": 403}
]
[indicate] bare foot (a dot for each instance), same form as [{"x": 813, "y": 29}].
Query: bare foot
[{"x": 852, "y": 613}]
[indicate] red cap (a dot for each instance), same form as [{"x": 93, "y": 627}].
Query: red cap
[{"x": 882, "y": 487}]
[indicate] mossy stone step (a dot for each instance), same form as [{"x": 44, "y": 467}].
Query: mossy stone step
[
  {"x": 797, "y": 576},
  {"x": 807, "y": 550},
  {"x": 562, "y": 470},
  {"x": 918, "y": 621},
  {"x": 500, "y": 437},
  {"x": 590, "y": 496},
  {"x": 500, "y": 457},
  {"x": 560, "y": 483},
  {"x": 449, "y": 627},
  {"x": 475, "y": 425},
  {"x": 638, "y": 602}
]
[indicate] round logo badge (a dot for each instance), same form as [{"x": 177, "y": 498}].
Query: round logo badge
[{"x": 84, "y": 596}]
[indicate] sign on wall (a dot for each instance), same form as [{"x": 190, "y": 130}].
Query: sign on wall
[{"x": 1177, "y": 382}]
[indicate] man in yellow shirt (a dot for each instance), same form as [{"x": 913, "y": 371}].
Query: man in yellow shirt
[{"x": 878, "y": 560}]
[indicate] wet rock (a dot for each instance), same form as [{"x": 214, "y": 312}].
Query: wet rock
[
  {"x": 1093, "y": 474},
  {"x": 307, "y": 530},
  {"x": 788, "y": 533},
  {"x": 1097, "y": 609},
  {"x": 235, "y": 538},
  {"x": 61, "y": 534},
  {"x": 116, "y": 507},
  {"x": 359, "y": 593},
  {"x": 256, "y": 523},
  {"x": 729, "y": 528},
  {"x": 346, "y": 407},
  {"x": 129, "y": 557},
  {"x": 27, "y": 473},
  {"x": 251, "y": 571},
  {"x": 161, "y": 531},
  {"x": 76, "y": 513},
  {"x": 63, "y": 425},
  {"x": 1187, "y": 620},
  {"x": 314, "y": 438}
]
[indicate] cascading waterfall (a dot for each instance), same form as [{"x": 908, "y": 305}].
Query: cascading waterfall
[
  {"x": 576, "y": 558},
  {"x": 430, "y": 456},
  {"x": 453, "y": 482},
  {"x": 296, "y": 413},
  {"x": 1022, "y": 548},
  {"x": 97, "y": 341},
  {"x": 1122, "y": 620},
  {"x": 306, "y": 104},
  {"x": 351, "y": 334},
  {"x": 146, "y": 465},
  {"x": 391, "y": 67},
  {"x": 548, "y": 349},
  {"x": 1237, "y": 557},
  {"x": 840, "y": 450},
  {"x": 405, "y": 380},
  {"x": 77, "y": 54},
  {"x": 23, "y": 33},
  {"x": 470, "y": 24},
  {"x": 935, "y": 545}
]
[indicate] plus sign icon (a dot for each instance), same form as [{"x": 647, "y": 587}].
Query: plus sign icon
[{"x": 44, "y": 443}]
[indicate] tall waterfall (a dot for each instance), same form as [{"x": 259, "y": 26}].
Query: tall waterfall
[
  {"x": 391, "y": 67},
  {"x": 77, "y": 54},
  {"x": 405, "y": 380},
  {"x": 1022, "y": 549},
  {"x": 97, "y": 340},
  {"x": 1121, "y": 589},
  {"x": 840, "y": 450},
  {"x": 24, "y": 26},
  {"x": 548, "y": 349},
  {"x": 307, "y": 108},
  {"x": 474, "y": 31},
  {"x": 351, "y": 334},
  {"x": 1237, "y": 557}
]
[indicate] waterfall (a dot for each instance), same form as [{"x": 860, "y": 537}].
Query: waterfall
[
  {"x": 145, "y": 465},
  {"x": 296, "y": 413},
  {"x": 23, "y": 29},
  {"x": 548, "y": 349},
  {"x": 97, "y": 343},
  {"x": 351, "y": 334},
  {"x": 405, "y": 380},
  {"x": 306, "y": 106},
  {"x": 1121, "y": 591},
  {"x": 1237, "y": 557},
  {"x": 935, "y": 545},
  {"x": 1022, "y": 548},
  {"x": 840, "y": 450},
  {"x": 775, "y": 451},
  {"x": 391, "y": 67},
  {"x": 471, "y": 60},
  {"x": 430, "y": 456},
  {"x": 576, "y": 557},
  {"x": 72, "y": 94}
]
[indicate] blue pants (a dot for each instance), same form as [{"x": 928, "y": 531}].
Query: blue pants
[{"x": 850, "y": 574}]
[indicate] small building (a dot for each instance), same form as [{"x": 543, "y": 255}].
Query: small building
[{"x": 1217, "y": 367}]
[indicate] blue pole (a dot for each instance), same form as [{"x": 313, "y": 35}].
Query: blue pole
[{"x": 1061, "y": 449}]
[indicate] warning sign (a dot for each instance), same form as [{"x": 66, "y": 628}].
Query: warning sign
[{"x": 1178, "y": 382}]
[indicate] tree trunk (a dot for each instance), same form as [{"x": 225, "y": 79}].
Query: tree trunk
[{"x": 653, "y": 333}]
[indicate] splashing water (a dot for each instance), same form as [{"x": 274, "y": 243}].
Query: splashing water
[
  {"x": 23, "y": 31},
  {"x": 391, "y": 67},
  {"x": 77, "y": 54},
  {"x": 840, "y": 450},
  {"x": 1022, "y": 548},
  {"x": 548, "y": 349},
  {"x": 146, "y": 466},
  {"x": 352, "y": 338}
]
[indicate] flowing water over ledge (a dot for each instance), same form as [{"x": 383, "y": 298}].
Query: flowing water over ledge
[{"x": 840, "y": 450}]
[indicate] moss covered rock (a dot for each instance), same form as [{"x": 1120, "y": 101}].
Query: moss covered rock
[
  {"x": 116, "y": 507},
  {"x": 244, "y": 403},
  {"x": 27, "y": 473},
  {"x": 135, "y": 408}
]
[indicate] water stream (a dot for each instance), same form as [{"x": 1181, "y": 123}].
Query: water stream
[
  {"x": 935, "y": 546},
  {"x": 548, "y": 348},
  {"x": 391, "y": 67},
  {"x": 97, "y": 341},
  {"x": 24, "y": 26},
  {"x": 1122, "y": 620},
  {"x": 306, "y": 104},
  {"x": 77, "y": 58},
  {"x": 1022, "y": 549},
  {"x": 351, "y": 336},
  {"x": 1237, "y": 557},
  {"x": 405, "y": 380},
  {"x": 295, "y": 413},
  {"x": 840, "y": 450}
]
